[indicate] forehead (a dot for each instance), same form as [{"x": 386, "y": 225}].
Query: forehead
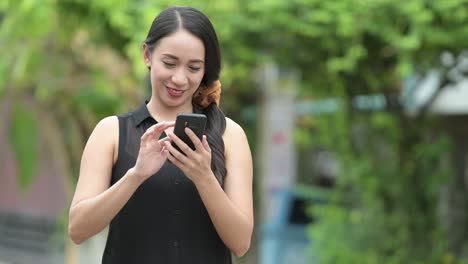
[{"x": 183, "y": 45}]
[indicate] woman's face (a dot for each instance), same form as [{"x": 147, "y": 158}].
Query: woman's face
[{"x": 177, "y": 68}]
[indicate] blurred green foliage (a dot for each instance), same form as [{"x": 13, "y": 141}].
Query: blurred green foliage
[
  {"x": 80, "y": 60},
  {"x": 24, "y": 138}
]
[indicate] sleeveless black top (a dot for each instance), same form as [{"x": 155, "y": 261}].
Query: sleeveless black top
[{"x": 165, "y": 220}]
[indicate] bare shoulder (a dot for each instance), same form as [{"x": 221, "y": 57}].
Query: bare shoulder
[
  {"x": 233, "y": 129},
  {"x": 107, "y": 123},
  {"x": 106, "y": 134},
  {"x": 107, "y": 127},
  {"x": 234, "y": 136}
]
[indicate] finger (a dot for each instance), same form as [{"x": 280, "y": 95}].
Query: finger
[
  {"x": 161, "y": 126},
  {"x": 150, "y": 132},
  {"x": 147, "y": 133},
  {"x": 176, "y": 162},
  {"x": 196, "y": 141},
  {"x": 168, "y": 124},
  {"x": 160, "y": 143},
  {"x": 175, "y": 153},
  {"x": 181, "y": 144},
  {"x": 162, "y": 140},
  {"x": 164, "y": 124},
  {"x": 153, "y": 143},
  {"x": 205, "y": 143},
  {"x": 154, "y": 132},
  {"x": 164, "y": 152}
]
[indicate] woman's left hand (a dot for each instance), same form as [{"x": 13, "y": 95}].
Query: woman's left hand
[{"x": 196, "y": 164}]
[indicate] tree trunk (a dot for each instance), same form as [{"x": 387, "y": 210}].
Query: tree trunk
[{"x": 454, "y": 199}]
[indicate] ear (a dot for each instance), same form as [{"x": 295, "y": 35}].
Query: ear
[{"x": 146, "y": 55}]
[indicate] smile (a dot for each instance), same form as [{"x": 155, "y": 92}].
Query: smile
[{"x": 174, "y": 92}]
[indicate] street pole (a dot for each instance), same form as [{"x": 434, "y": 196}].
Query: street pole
[{"x": 276, "y": 151}]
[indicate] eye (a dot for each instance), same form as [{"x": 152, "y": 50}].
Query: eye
[
  {"x": 168, "y": 64},
  {"x": 194, "y": 69}
]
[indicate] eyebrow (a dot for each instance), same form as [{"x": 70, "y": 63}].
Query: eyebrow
[{"x": 175, "y": 58}]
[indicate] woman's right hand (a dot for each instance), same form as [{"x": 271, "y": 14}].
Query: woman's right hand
[{"x": 153, "y": 153}]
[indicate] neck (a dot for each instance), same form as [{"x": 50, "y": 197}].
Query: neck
[{"x": 161, "y": 112}]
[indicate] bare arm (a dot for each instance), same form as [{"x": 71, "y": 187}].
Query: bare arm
[
  {"x": 95, "y": 204},
  {"x": 231, "y": 209}
]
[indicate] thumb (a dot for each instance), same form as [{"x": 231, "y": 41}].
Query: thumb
[{"x": 164, "y": 152}]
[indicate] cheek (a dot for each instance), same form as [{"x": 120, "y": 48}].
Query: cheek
[
  {"x": 197, "y": 78},
  {"x": 159, "y": 73}
]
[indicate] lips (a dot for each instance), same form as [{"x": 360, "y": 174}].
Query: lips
[{"x": 174, "y": 92}]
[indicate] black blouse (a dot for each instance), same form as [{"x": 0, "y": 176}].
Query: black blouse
[{"x": 165, "y": 221}]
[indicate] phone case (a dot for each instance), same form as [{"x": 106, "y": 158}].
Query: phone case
[{"x": 196, "y": 122}]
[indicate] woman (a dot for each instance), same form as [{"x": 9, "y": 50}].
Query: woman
[{"x": 163, "y": 206}]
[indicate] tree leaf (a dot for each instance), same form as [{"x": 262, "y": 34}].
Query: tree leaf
[{"x": 23, "y": 137}]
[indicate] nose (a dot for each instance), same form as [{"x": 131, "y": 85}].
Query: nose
[{"x": 179, "y": 77}]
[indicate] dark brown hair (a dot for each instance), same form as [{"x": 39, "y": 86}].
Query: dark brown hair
[{"x": 173, "y": 19}]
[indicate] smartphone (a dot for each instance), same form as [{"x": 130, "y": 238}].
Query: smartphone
[{"x": 196, "y": 122}]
